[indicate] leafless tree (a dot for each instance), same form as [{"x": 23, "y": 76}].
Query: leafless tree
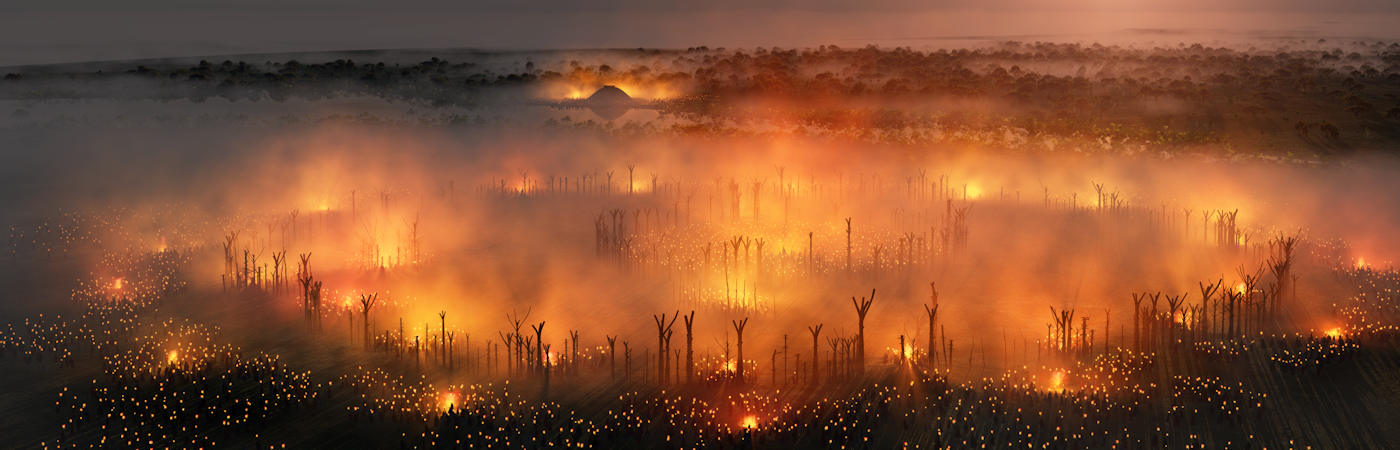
[{"x": 862, "y": 307}]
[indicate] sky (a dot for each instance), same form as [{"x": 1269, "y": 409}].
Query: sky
[{"x": 57, "y": 31}]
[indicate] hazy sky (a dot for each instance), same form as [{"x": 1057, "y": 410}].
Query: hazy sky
[{"x": 47, "y": 31}]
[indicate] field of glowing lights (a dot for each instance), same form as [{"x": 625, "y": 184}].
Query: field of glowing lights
[{"x": 1017, "y": 245}]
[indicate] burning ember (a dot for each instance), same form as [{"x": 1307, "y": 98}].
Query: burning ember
[
  {"x": 749, "y": 422},
  {"x": 172, "y": 357},
  {"x": 1334, "y": 332}
]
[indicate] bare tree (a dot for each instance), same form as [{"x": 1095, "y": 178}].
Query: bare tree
[
  {"x": 932, "y": 311},
  {"x": 367, "y": 302},
  {"x": 689, "y": 347},
  {"x": 663, "y": 328},
  {"x": 442, "y": 346},
  {"x": 539, "y": 346},
  {"x": 739, "y": 363},
  {"x": 612, "y": 356},
  {"x": 816, "y": 331},
  {"x": 862, "y": 307}
]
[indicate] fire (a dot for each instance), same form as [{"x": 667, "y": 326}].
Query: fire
[
  {"x": 749, "y": 422},
  {"x": 161, "y": 248},
  {"x": 1361, "y": 263},
  {"x": 172, "y": 357},
  {"x": 1334, "y": 332},
  {"x": 730, "y": 367},
  {"x": 117, "y": 284},
  {"x": 1239, "y": 288},
  {"x": 1182, "y": 320},
  {"x": 1057, "y": 381},
  {"x": 449, "y": 401}
]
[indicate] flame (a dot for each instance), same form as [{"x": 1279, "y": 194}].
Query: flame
[
  {"x": 1334, "y": 332},
  {"x": 1360, "y": 263},
  {"x": 449, "y": 400},
  {"x": 117, "y": 284},
  {"x": 1239, "y": 288},
  {"x": 1182, "y": 320},
  {"x": 749, "y": 422},
  {"x": 172, "y": 357},
  {"x": 1057, "y": 381},
  {"x": 729, "y": 366},
  {"x": 161, "y": 247}
]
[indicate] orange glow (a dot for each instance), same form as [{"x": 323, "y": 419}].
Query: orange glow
[
  {"x": 1360, "y": 263},
  {"x": 1334, "y": 332},
  {"x": 1182, "y": 320},
  {"x": 972, "y": 191},
  {"x": 749, "y": 422},
  {"x": 729, "y": 366},
  {"x": 172, "y": 357},
  {"x": 161, "y": 247},
  {"x": 1057, "y": 381},
  {"x": 580, "y": 89},
  {"x": 449, "y": 401},
  {"x": 118, "y": 283}
]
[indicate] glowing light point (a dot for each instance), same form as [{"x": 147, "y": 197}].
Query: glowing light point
[{"x": 749, "y": 422}]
